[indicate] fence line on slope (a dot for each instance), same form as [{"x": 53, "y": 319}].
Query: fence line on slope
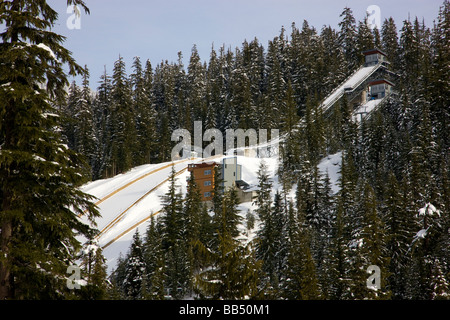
[
  {"x": 118, "y": 218},
  {"x": 132, "y": 182}
]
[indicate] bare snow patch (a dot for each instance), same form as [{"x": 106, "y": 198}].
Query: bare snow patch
[
  {"x": 428, "y": 210},
  {"x": 46, "y": 48},
  {"x": 332, "y": 165}
]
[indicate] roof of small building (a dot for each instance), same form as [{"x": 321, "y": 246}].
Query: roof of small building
[
  {"x": 241, "y": 184},
  {"x": 203, "y": 165},
  {"x": 380, "y": 81},
  {"x": 372, "y": 51}
]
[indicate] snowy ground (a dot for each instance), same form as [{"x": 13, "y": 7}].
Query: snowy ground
[
  {"x": 134, "y": 196},
  {"x": 362, "y": 111},
  {"x": 332, "y": 165}
]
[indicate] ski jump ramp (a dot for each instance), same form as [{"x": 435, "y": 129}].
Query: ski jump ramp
[{"x": 349, "y": 85}]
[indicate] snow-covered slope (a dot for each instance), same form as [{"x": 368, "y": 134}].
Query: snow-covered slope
[
  {"x": 332, "y": 164},
  {"x": 127, "y": 201}
]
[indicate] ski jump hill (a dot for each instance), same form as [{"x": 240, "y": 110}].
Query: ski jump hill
[{"x": 128, "y": 201}]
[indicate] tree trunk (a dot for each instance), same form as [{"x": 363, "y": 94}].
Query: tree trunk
[
  {"x": 6, "y": 224},
  {"x": 5, "y": 283}
]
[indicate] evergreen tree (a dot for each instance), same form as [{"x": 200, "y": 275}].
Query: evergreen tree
[
  {"x": 254, "y": 66},
  {"x": 67, "y": 112},
  {"x": 314, "y": 131},
  {"x": 226, "y": 118},
  {"x": 334, "y": 59},
  {"x": 367, "y": 248},
  {"x": 301, "y": 276},
  {"x": 275, "y": 81},
  {"x": 424, "y": 156},
  {"x": 192, "y": 211},
  {"x": 389, "y": 42},
  {"x": 325, "y": 236},
  {"x": 271, "y": 242},
  {"x": 398, "y": 237},
  {"x": 40, "y": 199},
  {"x": 263, "y": 198},
  {"x": 425, "y": 261},
  {"x": 180, "y": 97},
  {"x": 144, "y": 111},
  {"x": 376, "y": 37},
  {"x": 172, "y": 220},
  {"x": 439, "y": 86},
  {"x": 177, "y": 273},
  {"x": 213, "y": 89},
  {"x": 440, "y": 285},
  {"x": 196, "y": 78},
  {"x": 232, "y": 269},
  {"x": 348, "y": 39},
  {"x": 290, "y": 117},
  {"x": 103, "y": 123},
  {"x": 241, "y": 97},
  {"x": 228, "y": 219},
  {"x": 176, "y": 269},
  {"x": 134, "y": 269},
  {"x": 218, "y": 202},
  {"x": 195, "y": 233},
  {"x": 339, "y": 258},
  {"x": 80, "y": 128},
  {"x": 157, "y": 280},
  {"x": 117, "y": 279},
  {"x": 98, "y": 278},
  {"x": 233, "y": 273},
  {"x": 86, "y": 142},
  {"x": 346, "y": 224},
  {"x": 94, "y": 273},
  {"x": 206, "y": 228},
  {"x": 365, "y": 40},
  {"x": 304, "y": 62},
  {"x": 123, "y": 126},
  {"x": 249, "y": 221},
  {"x": 411, "y": 57},
  {"x": 153, "y": 258}
]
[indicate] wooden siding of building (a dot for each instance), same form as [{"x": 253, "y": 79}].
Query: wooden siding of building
[{"x": 204, "y": 177}]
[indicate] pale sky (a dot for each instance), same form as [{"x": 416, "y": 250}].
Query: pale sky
[{"x": 159, "y": 29}]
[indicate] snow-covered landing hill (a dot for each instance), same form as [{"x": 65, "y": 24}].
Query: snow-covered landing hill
[{"x": 127, "y": 200}]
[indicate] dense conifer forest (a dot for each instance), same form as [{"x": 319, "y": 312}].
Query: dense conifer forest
[{"x": 391, "y": 210}]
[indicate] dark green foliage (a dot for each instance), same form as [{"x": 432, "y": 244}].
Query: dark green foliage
[
  {"x": 173, "y": 215},
  {"x": 135, "y": 269},
  {"x": 389, "y": 42},
  {"x": 230, "y": 268},
  {"x": 301, "y": 281},
  {"x": 39, "y": 175},
  {"x": 94, "y": 272},
  {"x": 271, "y": 245},
  {"x": 393, "y": 165},
  {"x": 317, "y": 245},
  {"x": 365, "y": 39},
  {"x": 144, "y": 112},
  {"x": 153, "y": 258},
  {"x": 348, "y": 39}
]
